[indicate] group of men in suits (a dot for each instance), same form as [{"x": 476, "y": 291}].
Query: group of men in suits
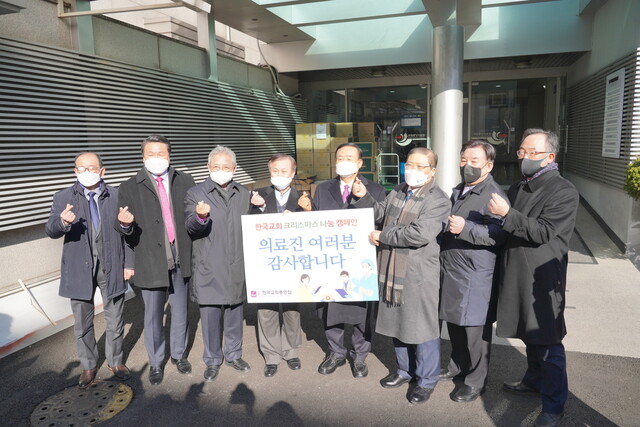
[{"x": 436, "y": 258}]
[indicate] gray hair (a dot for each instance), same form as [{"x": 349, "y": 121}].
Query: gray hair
[
  {"x": 551, "y": 139},
  {"x": 222, "y": 150}
]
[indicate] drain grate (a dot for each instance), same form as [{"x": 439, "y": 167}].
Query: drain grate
[{"x": 74, "y": 407}]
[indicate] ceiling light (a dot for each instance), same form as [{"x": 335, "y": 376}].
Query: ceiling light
[{"x": 378, "y": 72}]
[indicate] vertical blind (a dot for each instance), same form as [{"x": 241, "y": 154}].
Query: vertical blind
[{"x": 55, "y": 103}]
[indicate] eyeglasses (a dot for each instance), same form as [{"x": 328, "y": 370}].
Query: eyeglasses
[
  {"x": 223, "y": 168},
  {"x": 82, "y": 169},
  {"x": 529, "y": 154},
  {"x": 416, "y": 166}
]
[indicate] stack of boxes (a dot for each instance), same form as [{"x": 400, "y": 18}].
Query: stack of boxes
[{"x": 316, "y": 144}]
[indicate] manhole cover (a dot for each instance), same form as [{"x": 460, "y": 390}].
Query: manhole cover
[{"x": 74, "y": 407}]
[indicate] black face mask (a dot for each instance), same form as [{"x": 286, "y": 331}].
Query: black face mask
[
  {"x": 470, "y": 174},
  {"x": 530, "y": 167}
]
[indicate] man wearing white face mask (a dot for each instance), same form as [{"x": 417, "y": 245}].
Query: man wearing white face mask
[
  {"x": 212, "y": 218},
  {"x": 278, "y": 341},
  {"x": 152, "y": 216},
  {"x": 412, "y": 216},
  {"x": 337, "y": 194},
  {"x": 84, "y": 214}
]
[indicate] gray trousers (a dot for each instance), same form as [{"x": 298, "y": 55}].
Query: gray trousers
[
  {"x": 83, "y": 313},
  {"x": 279, "y": 340},
  {"x": 216, "y": 321},
  {"x": 154, "y": 301},
  {"x": 361, "y": 340},
  {"x": 470, "y": 352}
]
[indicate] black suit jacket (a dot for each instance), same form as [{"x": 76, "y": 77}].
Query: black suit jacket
[
  {"x": 147, "y": 233},
  {"x": 329, "y": 197},
  {"x": 269, "y": 196}
]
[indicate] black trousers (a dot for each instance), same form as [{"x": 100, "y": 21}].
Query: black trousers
[{"x": 470, "y": 352}]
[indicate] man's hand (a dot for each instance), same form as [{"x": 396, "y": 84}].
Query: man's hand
[
  {"x": 498, "y": 205},
  {"x": 125, "y": 217},
  {"x": 374, "y": 237},
  {"x": 358, "y": 189},
  {"x": 67, "y": 216},
  {"x": 304, "y": 201},
  {"x": 456, "y": 224},
  {"x": 203, "y": 209},
  {"x": 128, "y": 273},
  {"x": 257, "y": 199}
]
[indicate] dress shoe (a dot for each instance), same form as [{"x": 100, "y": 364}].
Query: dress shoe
[
  {"x": 420, "y": 395},
  {"x": 518, "y": 388},
  {"x": 446, "y": 375},
  {"x": 121, "y": 372},
  {"x": 359, "y": 369},
  {"x": 546, "y": 419},
  {"x": 239, "y": 365},
  {"x": 183, "y": 365},
  {"x": 294, "y": 363},
  {"x": 156, "y": 375},
  {"x": 211, "y": 373},
  {"x": 466, "y": 393},
  {"x": 330, "y": 364},
  {"x": 270, "y": 370},
  {"x": 86, "y": 378},
  {"x": 394, "y": 381}
]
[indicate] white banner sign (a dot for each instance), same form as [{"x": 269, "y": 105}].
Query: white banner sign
[
  {"x": 310, "y": 256},
  {"x": 613, "y": 107}
]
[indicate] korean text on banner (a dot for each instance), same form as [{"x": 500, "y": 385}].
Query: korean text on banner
[{"x": 310, "y": 256}]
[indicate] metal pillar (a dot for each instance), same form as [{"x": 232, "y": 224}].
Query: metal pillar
[
  {"x": 446, "y": 119},
  {"x": 207, "y": 40},
  {"x": 85, "y": 28}
]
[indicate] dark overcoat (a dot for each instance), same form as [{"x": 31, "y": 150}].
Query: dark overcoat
[
  {"x": 218, "y": 261},
  {"x": 468, "y": 259},
  {"x": 533, "y": 273},
  {"x": 329, "y": 197},
  {"x": 416, "y": 320},
  {"x": 76, "y": 270},
  {"x": 147, "y": 234},
  {"x": 269, "y": 196}
]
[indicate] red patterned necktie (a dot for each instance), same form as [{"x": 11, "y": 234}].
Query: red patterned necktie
[{"x": 167, "y": 216}]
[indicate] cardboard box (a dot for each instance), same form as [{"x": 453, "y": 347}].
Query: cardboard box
[
  {"x": 323, "y": 174},
  {"x": 346, "y": 130},
  {"x": 368, "y": 148},
  {"x": 336, "y": 142},
  {"x": 321, "y": 160},
  {"x": 304, "y": 141},
  {"x": 322, "y": 145},
  {"x": 366, "y": 129}
]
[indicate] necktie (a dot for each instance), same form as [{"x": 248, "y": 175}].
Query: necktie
[
  {"x": 407, "y": 197},
  {"x": 167, "y": 216},
  {"x": 93, "y": 208},
  {"x": 345, "y": 194}
]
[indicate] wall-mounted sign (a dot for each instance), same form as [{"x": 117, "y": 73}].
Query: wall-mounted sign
[
  {"x": 613, "y": 105},
  {"x": 411, "y": 121}
]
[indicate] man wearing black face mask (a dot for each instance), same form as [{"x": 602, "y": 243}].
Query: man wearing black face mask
[
  {"x": 533, "y": 272},
  {"x": 467, "y": 258}
]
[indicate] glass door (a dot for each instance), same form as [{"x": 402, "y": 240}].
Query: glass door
[{"x": 500, "y": 111}]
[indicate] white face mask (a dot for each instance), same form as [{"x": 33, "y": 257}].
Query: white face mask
[
  {"x": 221, "y": 177},
  {"x": 346, "y": 168},
  {"x": 281, "y": 182},
  {"x": 415, "y": 178},
  {"x": 88, "y": 179},
  {"x": 156, "y": 165}
]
